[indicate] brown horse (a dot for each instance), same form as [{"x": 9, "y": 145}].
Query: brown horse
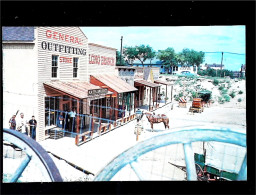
[{"x": 152, "y": 118}]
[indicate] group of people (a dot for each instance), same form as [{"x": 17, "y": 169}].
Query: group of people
[
  {"x": 68, "y": 121},
  {"x": 24, "y": 126}
]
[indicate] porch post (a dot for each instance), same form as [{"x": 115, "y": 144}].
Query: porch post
[
  {"x": 100, "y": 100},
  {"x": 92, "y": 118},
  {"x": 116, "y": 105},
  {"x": 166, "y": 94},
  {"x": 149, "y": 98},
  {"x": 123, "y": 107},
  {"x": 77, "y": 121},
  {"x": 110, "y": 111}
]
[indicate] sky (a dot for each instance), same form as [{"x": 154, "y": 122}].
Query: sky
[{"x": 200, "y": 38}]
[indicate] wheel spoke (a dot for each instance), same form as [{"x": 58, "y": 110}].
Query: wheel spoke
[
  {"x": 190, "y": 162},
  {"x": 20, "y": 169},
  {"x": 243, "y": 170},
  {"x": 138, "y": 170}
]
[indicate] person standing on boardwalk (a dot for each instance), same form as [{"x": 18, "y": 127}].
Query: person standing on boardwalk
[
  {"x": 72, "y": 115},
  {"x": 33, "y": 124},
  {"x": 12, "y": 122},
  {"x": 22, "y": 124}
]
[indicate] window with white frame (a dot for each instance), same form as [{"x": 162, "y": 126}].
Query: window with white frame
[
  {"x": 75, "y": 67},
  {"x": 54, "y": 66}
]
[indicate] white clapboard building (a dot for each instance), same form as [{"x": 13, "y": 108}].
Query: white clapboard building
[{"x": 51, "y": 61}]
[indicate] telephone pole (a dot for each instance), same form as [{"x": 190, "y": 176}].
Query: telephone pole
[
  {"x": 121, "y": 50},
  {"x": 221, "y": 63}
]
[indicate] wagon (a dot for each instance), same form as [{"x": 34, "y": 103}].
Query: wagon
[{"x": 197, "y": 105}]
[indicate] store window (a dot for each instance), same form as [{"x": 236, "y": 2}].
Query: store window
[
  {"x": 51, "y": 110},
  {"x": 54, "y": 66},
  {"x": 75, "y": 67}
]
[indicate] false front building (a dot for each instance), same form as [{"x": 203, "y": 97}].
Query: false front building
[{"x": 47, "y": 73}]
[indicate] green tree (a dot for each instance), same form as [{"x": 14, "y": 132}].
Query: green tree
[
  {"x": 130, "y": 54},
  {"x": 192, "y": 57},
  {"x": 142, "y": 53},
  {"x": 168, "y": 57}
]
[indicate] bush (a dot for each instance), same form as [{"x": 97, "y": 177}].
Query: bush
[
  {"x": 239, "y": 100},
  {"x": 240, "y": 92},
  {"x": 226, "y": 98},
  {"x": 224, "y": 91},
  {"x": 193, "y": 94},
  {"x": 232, "y": 94},
  {"x": 180, "y": 94},
  {"x": 215, "y": 82},
  {"x": 221, "y": 87},
  {"x": 221, "y": 100}
]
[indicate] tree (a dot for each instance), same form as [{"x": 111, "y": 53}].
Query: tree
[
  {"x": 197, "y": 58},
  {"x": 118, "y": 59},
  {"x": 192, "y": 57},
  {"x": 130, "y": 54},
  {"x": 168, "y": 57},
  {"x": 142, "y": 53}
]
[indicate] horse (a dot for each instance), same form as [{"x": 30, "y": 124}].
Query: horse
[{"x": 152, "y": 118}]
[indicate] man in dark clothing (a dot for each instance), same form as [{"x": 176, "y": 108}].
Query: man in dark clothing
[{"x": 32, "y": 124}]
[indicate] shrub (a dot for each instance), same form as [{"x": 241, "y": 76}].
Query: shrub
[
  {"x": 215, "y": 82},
  {"x": 180, "y": 94},
  {"x": 221, "y": 87},
  {"x": 232, "y": 94},
  {"x": 226, "y": 98},
  {"x": 224, "y": 91},
  {"x": 221, "y": 100},
  {"x": 239, "y": 100},
  {"x": 193, "y": 94},
  {"x": 240, "y": 92}
]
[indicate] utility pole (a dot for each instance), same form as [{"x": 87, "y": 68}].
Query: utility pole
[
  {"x": 121, "y": 50},
  {"x": 221, "y": 63}
]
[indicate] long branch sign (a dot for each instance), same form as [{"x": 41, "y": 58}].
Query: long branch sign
[
  {"x": 101, "y": 60},
  {"x": 92, "y": 92}
]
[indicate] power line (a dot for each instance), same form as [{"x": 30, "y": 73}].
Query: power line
[{"x": 223, "y": 52}]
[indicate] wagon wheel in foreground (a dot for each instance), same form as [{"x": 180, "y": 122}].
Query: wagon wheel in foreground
[
  {"x": 34, "y": 153},
  {"x": 176, "y": 136}
]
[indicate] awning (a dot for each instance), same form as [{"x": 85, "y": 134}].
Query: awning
[
  {"x": 77, "y": 89},
  {"x": 162, "y": 82},
  {"x": 145, "y": 83},
  {"x": 114, "y": 82}
]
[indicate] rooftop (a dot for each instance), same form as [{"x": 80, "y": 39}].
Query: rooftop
[{"x": 18, "y": 34}]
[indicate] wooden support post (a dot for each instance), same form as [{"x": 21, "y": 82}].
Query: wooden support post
[
  {"x": 110, "y": 109},
  {"x": 166, "y": 94},
  {"x": 149, "y": 98},
  {"x": 171, "y": 92},
  {"x": 122, "y": 107},
  {"x": 100, "y": 114},
  {"x": 116, "y": 106},
  {"x": 77, "y": 122},
  {"x": 92, "y": 118}
]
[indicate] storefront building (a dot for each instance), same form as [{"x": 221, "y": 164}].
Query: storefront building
[{"x": 47, "y": 71}]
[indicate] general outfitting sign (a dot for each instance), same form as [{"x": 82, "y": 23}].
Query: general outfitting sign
[{"x": 45, "y": 45}]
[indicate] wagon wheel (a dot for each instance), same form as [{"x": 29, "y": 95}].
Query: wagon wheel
[
  {"x": 180, "y": 135},
  {"x": 34, "y": 153}
]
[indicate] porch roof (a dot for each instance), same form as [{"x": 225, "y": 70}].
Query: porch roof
[
  {"x": 76, "y": 89},
  {"x": 145, "y": 83},
  {"x": 115, "y": 83},
  {"x": 162, "y": 82}
]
